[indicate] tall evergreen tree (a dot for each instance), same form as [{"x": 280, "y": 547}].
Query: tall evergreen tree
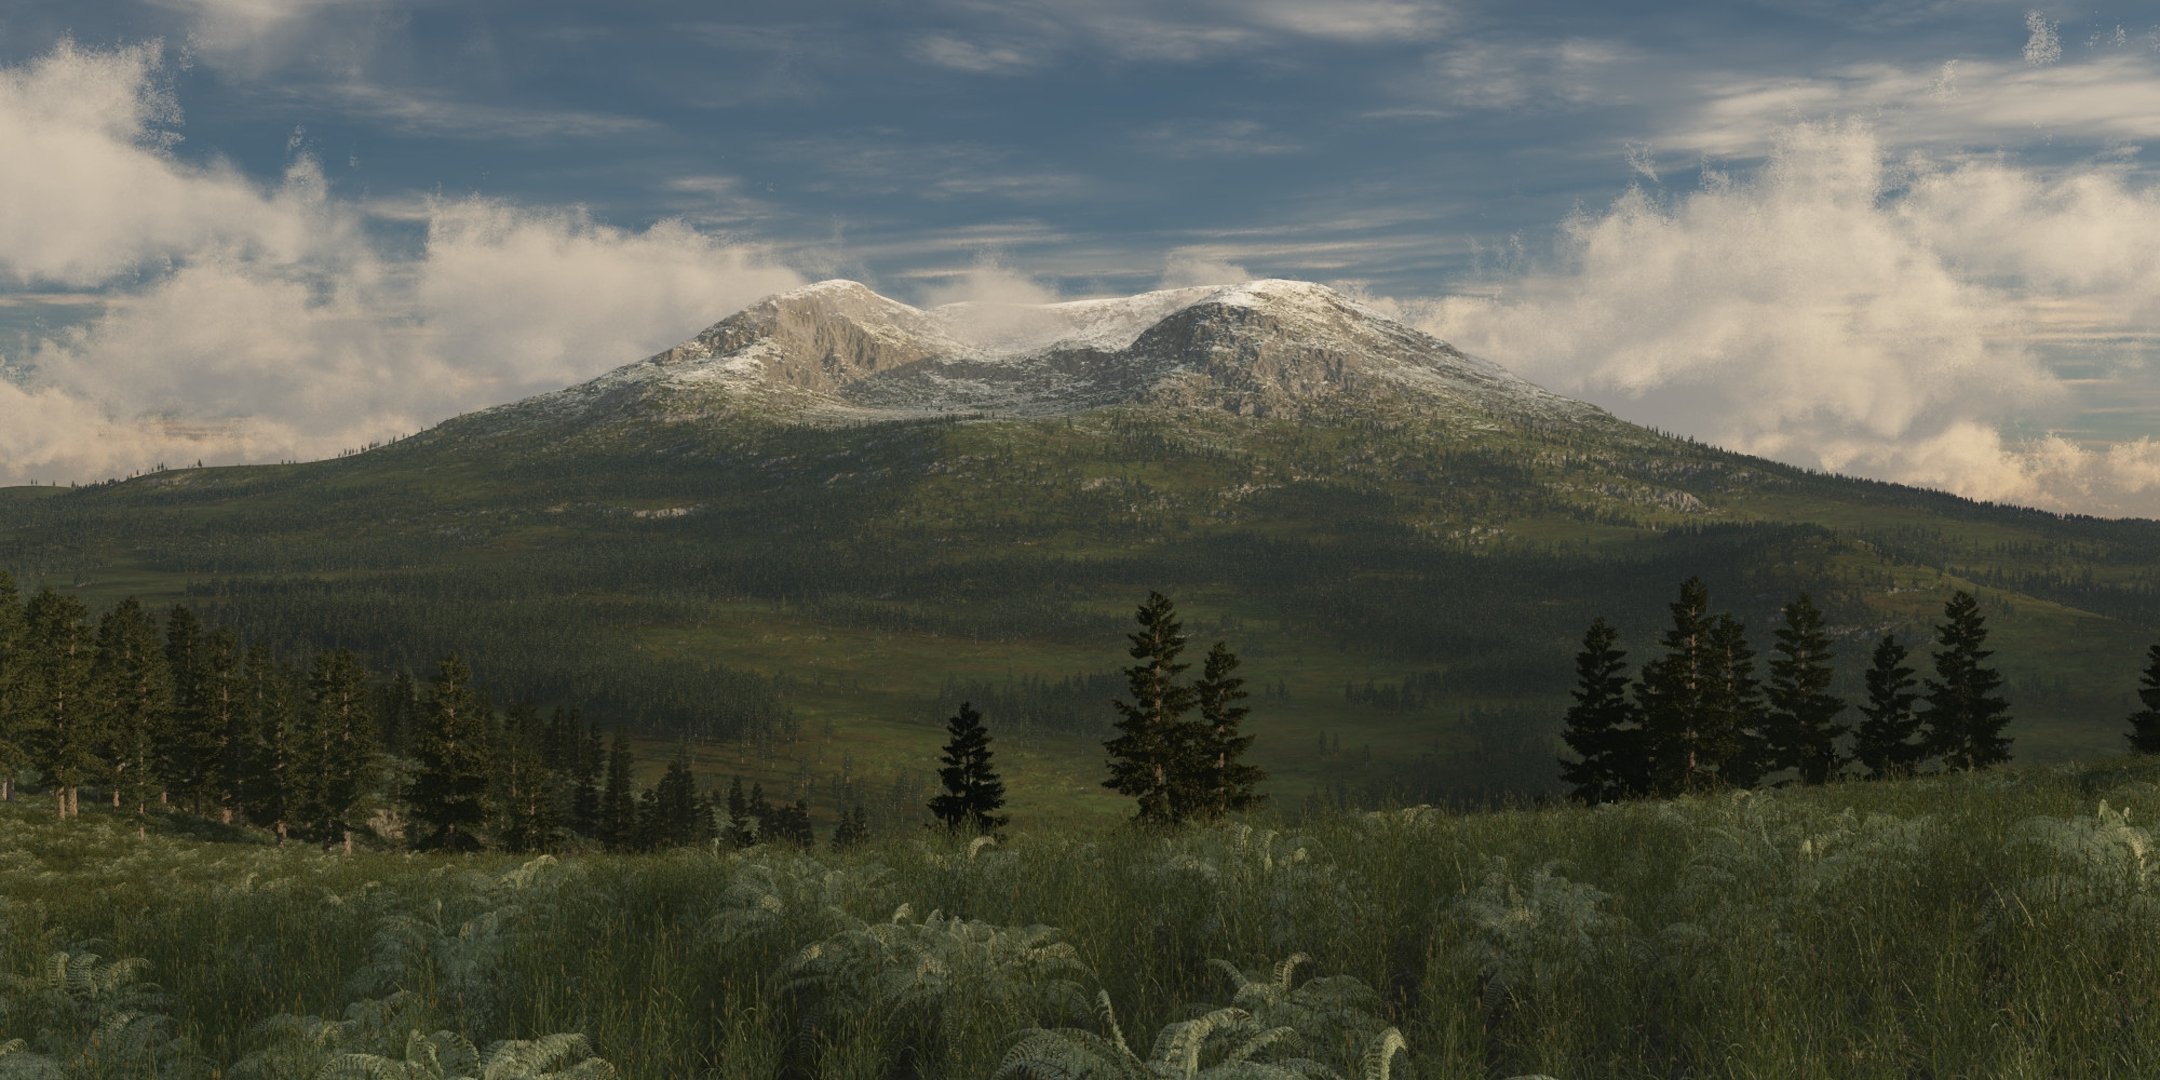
[
  {"x": 340, "y": 752},
  {"x": 133, "y": 689},
  {"x": 1733, "y": 707},
  {"x": 188, "y": 753},
  {"x": 277, "y": 784},
  {"x": 973, "y": 792},
  {"x": 524, "y": 786},
  {"x": 853, "y": 829},
  {"x": 1603, "y": 727},
  {"x": 225, "y": 712},
  {"x": 1151, "y": 743},
  {"x": 403, "y": 707},
  {"x": 1801, "y": 729},
  {"x": 585, "y": 782},
  {"x": 676, "y": 800},
  {"x": 740, "y": 831},
  {"x": 449, "y": 795},
  {"x": 1963, "y": 720},
  {"x": 2145, "y": 723},
  {"x": 62, "y": 718},
  {"x": 1217, "y": 783},
  {"x": 15, "y": 713},
  {"x": 1886, "y": 742},
  {"x": 618, "y": 800},
  {"x": 1673, "y": 697},
  {"x": 761, "y": 814}
]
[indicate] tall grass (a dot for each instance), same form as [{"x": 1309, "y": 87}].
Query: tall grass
[{"x": 2002, "y": 925}]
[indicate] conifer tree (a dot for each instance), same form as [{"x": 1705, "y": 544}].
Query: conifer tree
[
  {"x": 524, "y": 786},
  {"x": 791, "y": 824},
  {"x": 585, "y": 792},
  {"x": 224, "y": 702},
  {"x": 1673, "y": 695},
  {"x": 676, "y": 801},
  {"x": 740, "y": 832},
  {"x": 973, "y": 792},
  {"x": 760, "y": 814},
  {"x": 402, "y": 707},
  {"x": 853, "y": 829},
  {"x": 1603, "y": 727},
  {"x": 340, "y": 752},
  {"x": 2145, "y": 723},
  {"x": 646, "y": 826},
  {"x": 15, "y": 715},
  {"x": 618, "y": 803},
  {"x": 188, "y": 753},
  {"x": 452, "y": 753},
  {"x": 1151, "y": 744},
  {"x": 1733, "y": 707},
  {"x": 62, "y": 720},
  {"x": 1963, "y": 719},
  {"x": 1801, "y": 729},
  {"x": 1886, "y": 742},
  {"x": 1217, "y": 783},
  {"x": 133, "y": 690},
  {"x": 277, "y": 785}
]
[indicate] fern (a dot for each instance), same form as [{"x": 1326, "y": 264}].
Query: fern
[
  {"x": 902, "y": 965},
  {"x": 1530, "y": 938}
]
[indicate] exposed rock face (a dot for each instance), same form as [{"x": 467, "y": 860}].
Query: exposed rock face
[{"x": 836, "y": 352}]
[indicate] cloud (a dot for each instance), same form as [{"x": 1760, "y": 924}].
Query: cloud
[
  {"x": 976, "y": 58},
  {"x": 2042, "y": 44},
  {"x": 1166, "y": 31},
  {"x": 241, "y": 321},
  {"x": 1214, "y": 138},
  {"x": 1838, "y": 311},
  {"x": 258, "y": 37},
  {"x": 1505, "y": 75}
]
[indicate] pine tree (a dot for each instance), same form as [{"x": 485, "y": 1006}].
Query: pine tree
[
  {"x": 1150, "y": 747},
  {"x": 677, "y": 802},
  {"x": 973, "y": 792},
  {"x": 62, "y": 719},
  {"x": 791, "y": 824},
  {"x": 646, "y": 827},
  {"x": 1801, "y": 729},
  {"x": 761, "y": 815},
  {"x": 1673, "y": 695},
  {"x": 524, "y": 786},
  {"x": 852, "y": 831},
  {"x": 452, "y": 755},
  {"x": 618, "y": 805},
  {"x": 340, "y": 752},
  {"x": 224, "y": 704},
  {"x": 15, "y": 715},
  {"x": 1217, "y": 783},
  {"x": 133, "y": 690},
  {"x": 2145, "y": 723},
  {"x": 276, "y": 784},
  {"x": 1733, "y": 707},
  {"x": 740, "y": 832},
  {"x": 1886, "y": 741},
  {"x": 189, "y": 752},
  {"x": 1602, "y": 727},
  {"x": 585, "y": 792},
  {"x": 1963, "y": 720},
  {"x": 401, "y": 711}
]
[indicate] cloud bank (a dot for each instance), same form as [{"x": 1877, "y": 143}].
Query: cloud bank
[
  {"x": 1845, "y": 309},
  {"x": 246, "y": 322}
]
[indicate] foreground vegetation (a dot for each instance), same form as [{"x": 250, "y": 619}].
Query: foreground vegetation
[{"x": 1965, "y": 924}]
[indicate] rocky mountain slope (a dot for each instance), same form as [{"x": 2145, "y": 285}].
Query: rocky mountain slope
[{"x": 836, "y": 352}]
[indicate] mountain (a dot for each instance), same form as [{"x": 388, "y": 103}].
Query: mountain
[
  {"x": 813, "y": 529},
  {"x": 836, "y": 352}
]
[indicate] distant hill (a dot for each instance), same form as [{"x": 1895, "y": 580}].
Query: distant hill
[{"x": 835, "y": 510}]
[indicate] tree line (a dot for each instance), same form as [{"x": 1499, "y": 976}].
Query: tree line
[{"x": 1698, "y": 717}]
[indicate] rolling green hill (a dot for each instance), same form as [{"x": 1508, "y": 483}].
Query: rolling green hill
[{"x": 804, "y": 536}]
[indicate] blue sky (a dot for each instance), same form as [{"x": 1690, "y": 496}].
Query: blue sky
[{"x": 1910, "y": 239}]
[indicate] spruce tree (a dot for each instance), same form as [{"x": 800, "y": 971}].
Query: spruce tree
[
  {"x": 761, "y": 815},
  {"x": 1151, "y": 745},
  {"x": 340, "y": 753},
  {"x": 1801, "y": 729},
  {"x": 188, "y": 754},
  {"x": 618, "y": 802},
  {"x": 225, "y": 713},
  {"x": 585, "y": 790},
  {"x": 2145, "y": 723},
  {"x": 973, "y": 792},
  {"x": 676, "y": 797},
  {"x": 62, "y": 718},
  {"x": 853, "y": 829},
  {"x": 1964, "y": 720},
  {"x": 452, "y": 755},
  {"x": 1673, "y": 698},
  {"x": 1886, "y": 742},
  {"x": 402, "y": 708},
  {"x": 1733, "y": 707},
  {"x": 1217, "y": 783},
  {"x": 646, "y": 827},
  {"x": 524, "y": 786},
  {"x": 277, "y": 784},
  {"x": 1603, "y": 727},
  {"x": 740, "y": 833},
  {"x": 133, "y": 689},
  {"x": 15, "y": 714}
]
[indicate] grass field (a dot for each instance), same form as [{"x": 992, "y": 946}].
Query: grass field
[{"x": 1994, "y": 924}]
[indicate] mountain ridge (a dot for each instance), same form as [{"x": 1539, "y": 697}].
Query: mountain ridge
[{"x": 838, "y": 352}]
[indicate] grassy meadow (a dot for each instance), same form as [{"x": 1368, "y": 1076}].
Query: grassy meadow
[{"x": 1996, "y": 924}]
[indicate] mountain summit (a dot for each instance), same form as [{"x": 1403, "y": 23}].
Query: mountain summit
[{"x": 837, "y": 352}]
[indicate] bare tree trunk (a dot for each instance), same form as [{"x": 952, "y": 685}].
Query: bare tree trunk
[
  {"x": 348, "y": 842},
  {"x": 74, "y": 808},
  {"x": 225, "y": 815},
  {"x": 60, "y": 797}
]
